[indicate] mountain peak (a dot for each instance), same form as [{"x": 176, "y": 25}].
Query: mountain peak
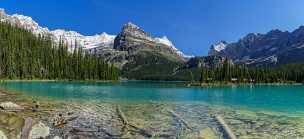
[
  {"x": 219, "y": 46},
  {"x": 299, "y": 30},
  {"x": 131, "y": 25},
  {"x": 104, "y": 34},
  {"x": 135, "y": 31},
  {"x": 276, "y": 32},
  {"x": 25, "y": 22}
]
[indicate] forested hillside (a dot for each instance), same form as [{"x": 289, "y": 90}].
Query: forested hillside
[
  {"x": 228, "y": 72},
  {"x": 26, "y": 56}
]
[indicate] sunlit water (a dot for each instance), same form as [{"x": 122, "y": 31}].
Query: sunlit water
[
  {"x": 285, "y": 98},
  {"x": 270, "y": 110}
]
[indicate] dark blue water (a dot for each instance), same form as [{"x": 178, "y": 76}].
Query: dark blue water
[{"x": 285, "y": 98}]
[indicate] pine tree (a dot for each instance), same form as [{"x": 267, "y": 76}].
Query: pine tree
[{"x": 26, "y": 56}]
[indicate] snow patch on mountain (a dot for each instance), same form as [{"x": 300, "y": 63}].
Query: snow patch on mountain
[
  {"x": 24, "y": 21},
  {"x": 165, "y": 41},
  {"x": 219, "y": 46},
  {"x": 76, "y": 40},
  {"x": 71, "y": 38}
]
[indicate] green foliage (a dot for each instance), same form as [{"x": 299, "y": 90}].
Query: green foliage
[
  {"x": 25, "y": 56},
  {"x": 150, "y": 65},
  {"x": 228, "y": 72}
]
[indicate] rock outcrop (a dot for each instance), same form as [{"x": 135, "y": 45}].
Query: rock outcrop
[
  {"x": 205, "y": 61},
  {"x": 133, "y": 41},
  {"x": 133, "y": 38},
  {"x": 217, "y": 47}
]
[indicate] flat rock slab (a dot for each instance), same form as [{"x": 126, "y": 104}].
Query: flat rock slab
[{"x": 10, "y": 106}]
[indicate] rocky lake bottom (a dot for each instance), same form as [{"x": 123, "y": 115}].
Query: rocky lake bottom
[{"x": 42, "y": 118}]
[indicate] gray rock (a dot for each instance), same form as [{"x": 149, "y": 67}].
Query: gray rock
[
  {"x": 10, "y": 106},
  {"x": 2, "y": 135},
  {"x": 39, "y": 130}
]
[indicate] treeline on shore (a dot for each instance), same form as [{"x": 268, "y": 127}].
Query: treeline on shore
[
  {"x": 25, "y": 56},
  {"x": 230, "y": 73}
]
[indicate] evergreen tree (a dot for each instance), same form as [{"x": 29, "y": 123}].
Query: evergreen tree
[{"x": 26, "y": 56}]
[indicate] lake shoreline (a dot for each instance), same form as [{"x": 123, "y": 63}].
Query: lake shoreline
[
  {"x": 21, "y": 115},
  {"x": 227, "y": 84},
  {"x": 89, "y": 81},
  {"x": 186, "y": 83}
]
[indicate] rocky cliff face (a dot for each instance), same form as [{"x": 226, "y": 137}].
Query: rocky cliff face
[
  {"x": 132, "y": 39},
  {"x": 273, "y": 48},
  {"x": 204, "y": 61},
  {"x": 217, "y": 47},
  {"x": 133, "y": 42}
]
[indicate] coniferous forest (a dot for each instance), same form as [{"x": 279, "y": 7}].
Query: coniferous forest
[
  {"x": 228, "y": 72},
  {"x": 26, "y": 56}
]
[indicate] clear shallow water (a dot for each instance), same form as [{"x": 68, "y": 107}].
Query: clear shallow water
[{"x": 285, "y": 98}]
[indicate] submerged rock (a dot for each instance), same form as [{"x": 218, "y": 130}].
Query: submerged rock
[
  {"x": 2, "y": 135},
  {"x": 10, "y": 123},
  {"x": 39, "y": 130},
  {"x": 56, "y": 137},
  {"x": 10, "y": 106},
  {"x": 208, "y": 133}
]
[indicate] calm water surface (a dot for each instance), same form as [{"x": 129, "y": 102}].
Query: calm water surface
[{"x": 285, "y": 98}]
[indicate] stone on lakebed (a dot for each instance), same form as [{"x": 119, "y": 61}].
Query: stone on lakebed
[
  {"x": 10, "y": 106},
  {"x": 39, "y": 130},
  {"x": 2, "y": 135}
]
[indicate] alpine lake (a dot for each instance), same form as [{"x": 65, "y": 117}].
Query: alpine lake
[{"x": 147, "y": 109}]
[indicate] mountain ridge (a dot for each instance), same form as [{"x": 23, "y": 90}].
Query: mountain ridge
[
  {"x": 136, "y": 53},
  {"x": 273, "y": 48},
  {"x": 69, "y": 37}
]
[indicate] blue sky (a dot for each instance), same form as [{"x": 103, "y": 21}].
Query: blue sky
[{"x": 192, "y": 25}]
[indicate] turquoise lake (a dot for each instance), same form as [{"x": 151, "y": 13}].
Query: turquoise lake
[{"x": 284, "y": 98}]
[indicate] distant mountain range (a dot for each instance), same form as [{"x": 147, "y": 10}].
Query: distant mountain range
[
  {"x": 69, "y": 37},
  {"x": 139, "y": 55},
  {"x": 273, "y": 48},
  {"x": 72, "y": 38}
]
